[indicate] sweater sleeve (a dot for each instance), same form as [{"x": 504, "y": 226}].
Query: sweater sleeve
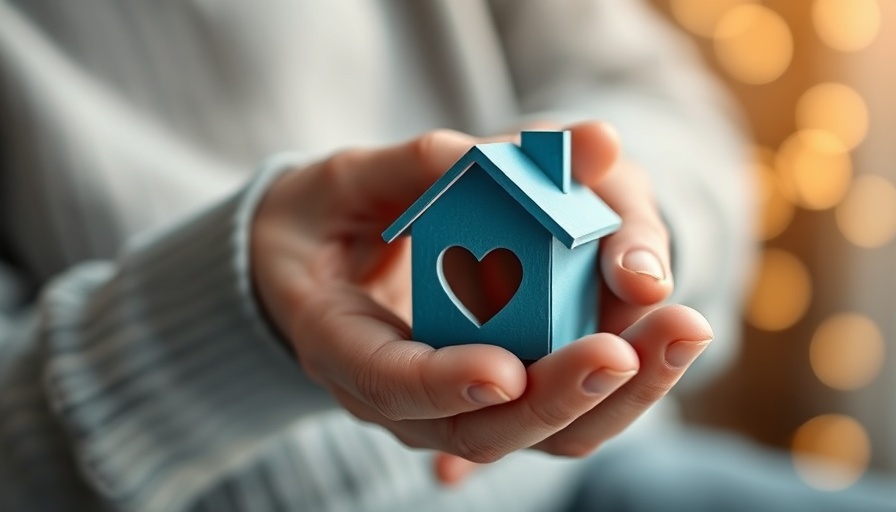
[
  {"x": 617, "y": 61},
  {"x": 160, "y": 371}
]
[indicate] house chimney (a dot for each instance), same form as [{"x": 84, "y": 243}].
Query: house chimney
[{"x": 550, "y": 151}]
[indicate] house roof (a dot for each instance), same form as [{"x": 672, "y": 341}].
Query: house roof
[{"x": 574, "y": 218}]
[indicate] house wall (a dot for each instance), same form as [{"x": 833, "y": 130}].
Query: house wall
[
  {"x": 574, "y": 300},
  {"x": 479, "y": 215}
]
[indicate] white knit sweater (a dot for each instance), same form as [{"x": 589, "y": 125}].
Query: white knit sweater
[{"x": 135, "y": 370}]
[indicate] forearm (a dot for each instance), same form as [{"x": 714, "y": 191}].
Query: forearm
[{"x": 159, "y": 369}]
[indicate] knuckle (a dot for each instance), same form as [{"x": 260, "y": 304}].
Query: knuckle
[
  {"x": 424, "y": 145},
  {"x": 474, "y": 448},
  {"x": 648, "y": 394},
  {"x": 375, "y": 390},
  {"x": 425, "y": 148},
  {"x": 390, "y": 394},
  {"x": 433, "y": 396},
  {"x": 382, "y": 381},
  {"x": 338, "y": 165},
  {"x": 549, "y": 418},
  {"x": 478, "y": 453}
]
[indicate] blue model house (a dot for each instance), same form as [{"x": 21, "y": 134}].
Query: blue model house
[{"x": 498, "y": 198}]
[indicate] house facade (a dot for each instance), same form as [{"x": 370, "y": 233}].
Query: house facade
[{"x": 497, "y": 197}]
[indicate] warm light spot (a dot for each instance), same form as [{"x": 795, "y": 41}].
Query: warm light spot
[
  {"x": 847, "y": 351},
  {"x": 764, "y": 155},
  {"x": 815, "y": 169},
  {"x": 835, "y": 108},
  {"x": 776, "y": 210},
  {"x": 700, "y": 17},
  {"x": 831, "y": 452},
  {"x": 867, "y": 216},
  {"x": 753, "y": 44},
  {"x": 846, "y": 25},
  {"x": 781, "y": 292}
]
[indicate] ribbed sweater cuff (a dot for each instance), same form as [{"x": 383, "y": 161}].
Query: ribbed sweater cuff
[{"x": 162, "y": 367}]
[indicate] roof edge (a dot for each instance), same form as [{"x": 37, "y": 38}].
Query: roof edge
[
  {"x": 432, "y": 194},
  {"x": 476, "y": 156}
]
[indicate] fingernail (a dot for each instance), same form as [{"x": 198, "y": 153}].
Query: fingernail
[
  {"x": 486, "y": 394},
  {"x": 644, "y": 262},
  {"x": 683, "y": 353},
  {"x": 604, "y": 381}
]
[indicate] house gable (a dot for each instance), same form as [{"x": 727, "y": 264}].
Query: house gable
[{"x": 574, "y": 218}]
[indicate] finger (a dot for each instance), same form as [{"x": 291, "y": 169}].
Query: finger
[
  {"x": 635, "y": 260},
  {"x": 595, "y": 149},
  {"x": 451, "y": 470},
  {"x": 362, "y": 348},
  {"x": 561, "y": 387},
  {"x": 667, "y": 342}
]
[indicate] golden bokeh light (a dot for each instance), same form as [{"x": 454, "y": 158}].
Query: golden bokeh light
[
  {"x": 775, "y": 209},
  {"x": 846, "y": 25},
  {"x": 753, "y": 44},
  {"x": 867, "y": 216},
  {"x": 815, "y": 169},
  {"x": 831, "y": 452},
  {"x": 835, "y": 108},
  {"x": 701, "y": 17},
  {"x": 847, "y": 351},
  {"x": 781, "y": 292}
]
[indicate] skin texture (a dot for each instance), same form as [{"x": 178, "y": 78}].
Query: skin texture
[{"x": 341, "y": 296}]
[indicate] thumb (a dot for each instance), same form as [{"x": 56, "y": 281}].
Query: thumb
[{"x": 384, "y": 182}]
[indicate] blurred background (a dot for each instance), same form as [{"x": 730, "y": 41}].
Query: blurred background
[{"x": 817, "y": 80}]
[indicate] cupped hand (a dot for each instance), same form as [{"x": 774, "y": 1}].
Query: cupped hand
[{"x": 341, "y": 296}]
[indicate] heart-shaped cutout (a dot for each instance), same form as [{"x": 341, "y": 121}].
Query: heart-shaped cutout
[{"x": 480, "y": 289}]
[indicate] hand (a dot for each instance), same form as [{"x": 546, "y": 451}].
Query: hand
[{"x": 341, "y": 296}]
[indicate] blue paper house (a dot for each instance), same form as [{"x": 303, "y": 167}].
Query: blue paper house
[{"x": 522, "y": 199}]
